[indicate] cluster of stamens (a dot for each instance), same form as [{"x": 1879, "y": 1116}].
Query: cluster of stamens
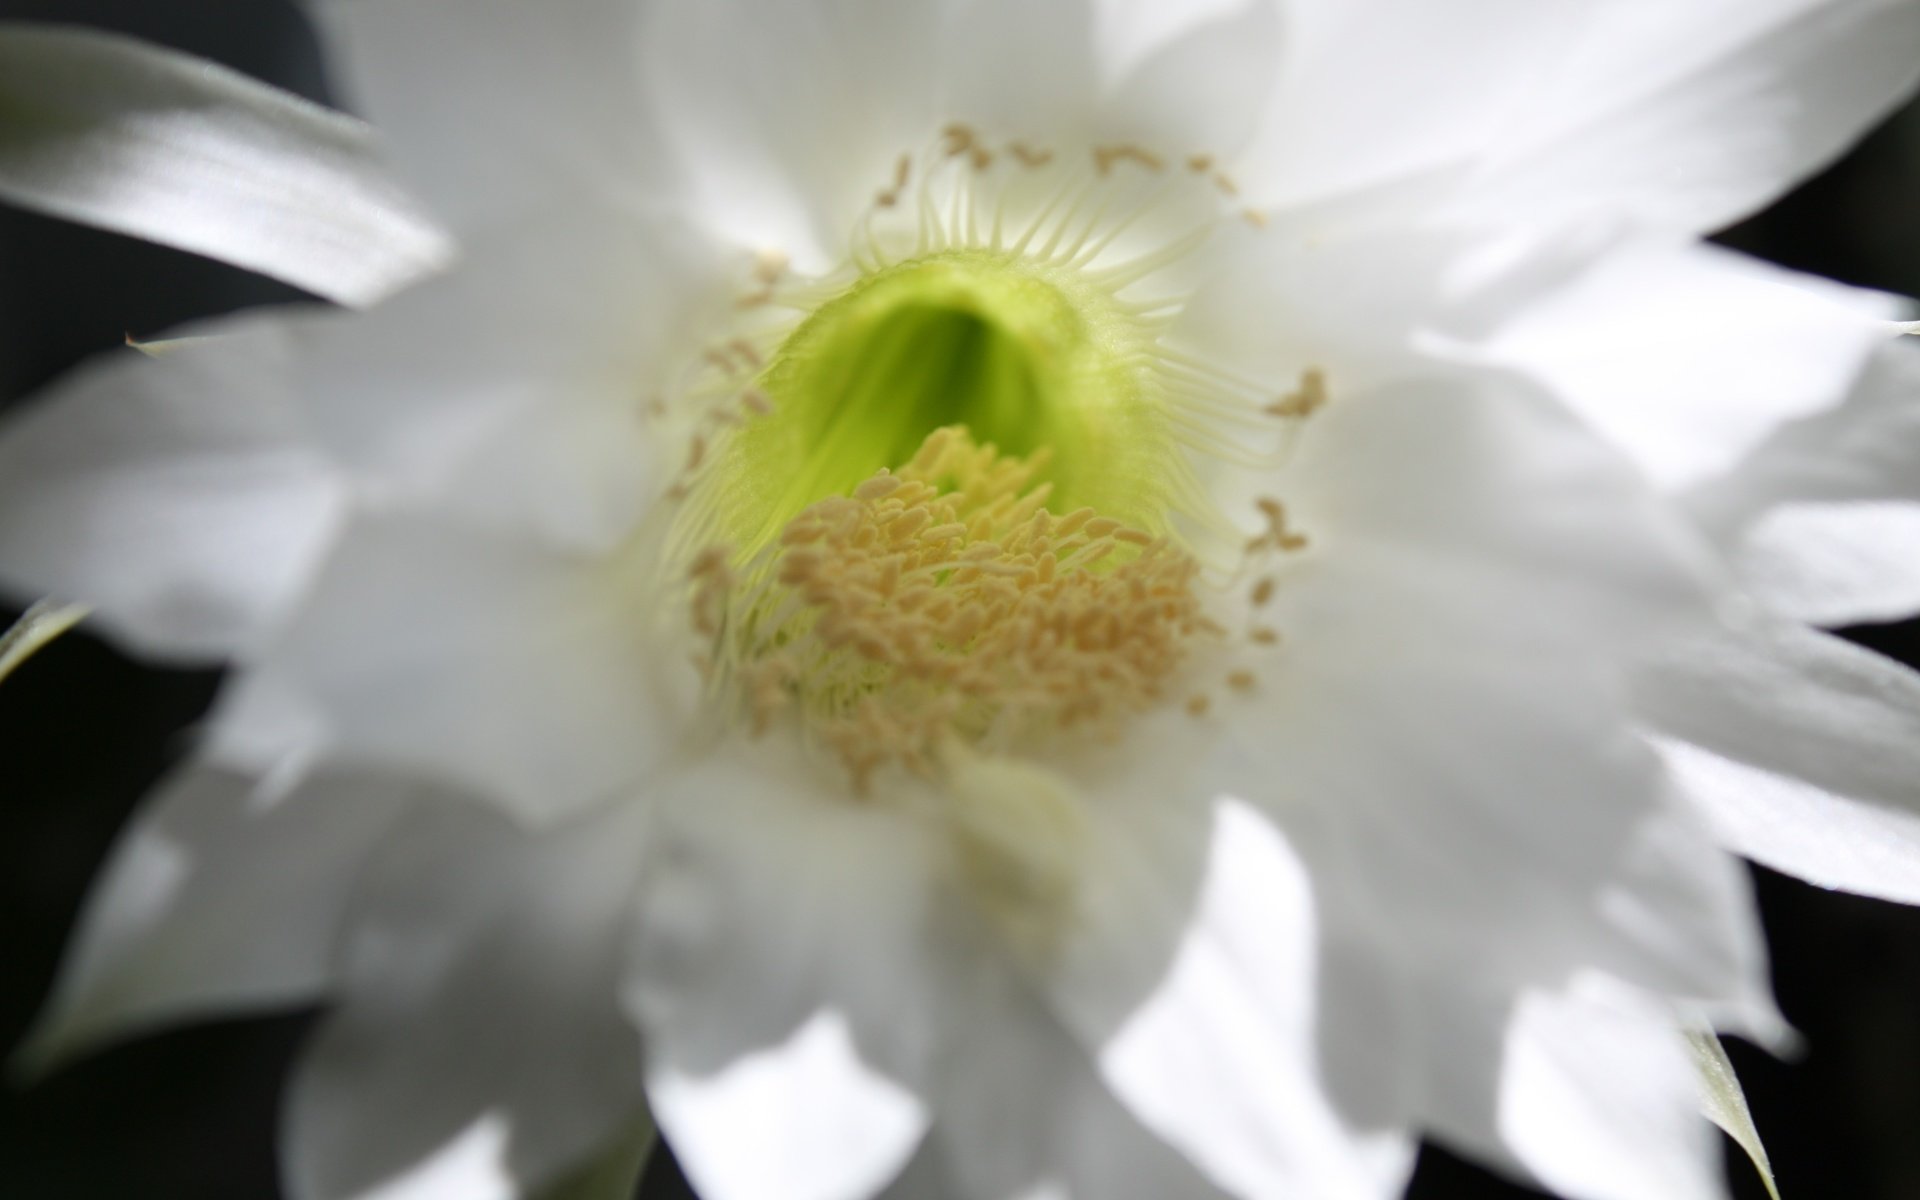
[{"x": 946, "y": 601}]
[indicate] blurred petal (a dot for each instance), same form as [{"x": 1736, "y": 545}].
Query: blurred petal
[
  {"x": 1687, "y": 357},
  {"x": 1688, "y": 117},
  {"x": 1199, "y": 1008},
  {"x": 493, "y": 660},
  {"x": 109, "y": 131},
  {"x": 786, "y": 978},
  {"x": 1593, "y": 1093},
  {"x": 1821, "y": 517},
  {"x": 173, "y": 495},
  {"x": 504, "y": 108},
  {"x": 221, "y": 896},
  {"x": 1019, "y": 1112},
  {"x": 477, "y": 991}
]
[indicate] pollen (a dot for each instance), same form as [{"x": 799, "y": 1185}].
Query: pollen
[{"x": 944, "y": 604}]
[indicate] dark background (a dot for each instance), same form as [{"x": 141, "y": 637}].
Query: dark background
[{"x": 83, "y": 731}]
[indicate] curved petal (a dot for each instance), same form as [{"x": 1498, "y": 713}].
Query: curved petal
[
  {"x": 477, "y": 1006},
  {"x": 504, "y": 106},
  {"x": 1687, "y": 357},
  {"x": 176, "y": 496},
  {"x": 1687, "y": 117},
  {"x": 1808, "y": 754},
  {"x": 517, "y": 386},
  {"x": 788, "y": 118},
  {"x": 1834, "y": 563},
  {"x": 469, "y": 655},
  {"x": 786, "y": 976},
  {"x": 1197, "y": 999},
  {"x": 222, "y": 896},
  {"x": 1682, "y": 117},
  {"x": 1818, "y": 518},
  {"x": 1196, "y": 88},
  {"x": 142, "y": 140},
  {"x": 1018, "y": 1110},
  {"x": 1394, "y": 93},
  {"x": 1588, "y": 1091}
]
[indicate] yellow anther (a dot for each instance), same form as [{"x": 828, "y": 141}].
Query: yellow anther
[
  {"x": 1105, "y": 157},
  {"x": 1028, "y": 156},
  {"x": 1304, "y": 400},
  {"x": 946, "y": 602}
]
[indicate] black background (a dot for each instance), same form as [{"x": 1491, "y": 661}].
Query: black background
[{"x": 190, "y": 1115}]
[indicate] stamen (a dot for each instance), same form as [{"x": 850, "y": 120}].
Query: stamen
[{"x": 944, "y": 601}]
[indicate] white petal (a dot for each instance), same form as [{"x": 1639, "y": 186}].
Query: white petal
[
  {"x": 176, "y": 496},
  {"x": 1019, "y": 1112},
  {"x": 1687, "y": 357},
  {"x": 1197, "y": 87},
  {"x": 1839, "y": 726},
  {"x": 786, "y": 978},
  {"x": 1834, "y": 563},
  {"x": 1589, "y": 1092},
  {"x": 516, "y": 386},
  {"x": 1827, "y": 839},
  {"x": 1020, "y": 70},
  {"x": 503, "y": 107},
  {"x": 151, "y": 142},
  {"x": 788, "y": 118},
  {"x": 492, "y": 660},
  {"x": 1394, "y": 92},
  {"x": 220, "y": 897},
  {"x": 479, "y": 984},
  {"x": 1683, "y": 912},
  {"x": 1689, "y": 116},
  {"x": 1819, "y": 520},
  {"x": 1194, "y": 982}
]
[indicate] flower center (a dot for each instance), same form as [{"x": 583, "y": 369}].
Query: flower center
[
  {"x": 945, "y": 604},
  {"x": 951, "y": 505}
]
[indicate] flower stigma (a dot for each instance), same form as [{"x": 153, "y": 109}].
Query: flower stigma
[{"x": 955, "y": 508}]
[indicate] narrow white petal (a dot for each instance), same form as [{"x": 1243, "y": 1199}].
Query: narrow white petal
[
  {"x": 1825, "y": 838},
  {"x": 476, "y": 656},
  {"x": 1834, "y": 563},
  {"x": 106, "y": 130},
  {"x": 176, "y": 496},
  {"x": 478, "y": 990},
  {"x": 1805, "y": 751},
  {"x": 786, "y": 976},
  {"x": 221, "y": 897},
  {"x": 1687, "y": 357}
]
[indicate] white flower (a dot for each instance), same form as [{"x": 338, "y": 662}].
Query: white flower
[{"x": 1358, "y": 766}]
